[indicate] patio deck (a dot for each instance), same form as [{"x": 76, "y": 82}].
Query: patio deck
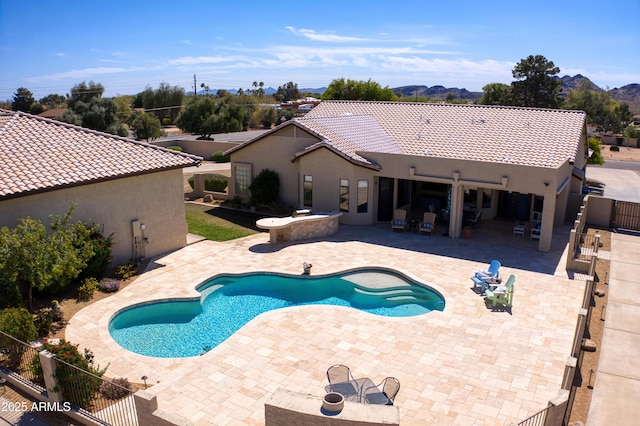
[{"x": 468, "y": 365}]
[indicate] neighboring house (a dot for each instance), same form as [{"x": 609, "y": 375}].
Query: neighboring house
[
  {"x": 367, "y": 159},
  {"x": 133, "y": 190}
]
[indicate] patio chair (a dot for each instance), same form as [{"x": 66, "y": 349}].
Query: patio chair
[
  {"x": 428, "y": 224},
  {"x": 502, "y": 295},
  {"x": 480, "y": 278},
  {"x": 341, "y": 381},
  {"x": 384, "y": 393},
  {"x": 474, "y": 220},
  {"x": 399, "y": 220}
]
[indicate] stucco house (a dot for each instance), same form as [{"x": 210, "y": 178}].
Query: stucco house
[
  {"x": 132, "y": 189},
  {"x": 367, "y": 159}
]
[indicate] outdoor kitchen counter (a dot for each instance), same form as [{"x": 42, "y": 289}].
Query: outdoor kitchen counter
[{"x": 300, "y": 227}]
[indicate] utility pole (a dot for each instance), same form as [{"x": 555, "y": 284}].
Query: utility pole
[{"x": 195, "y": 88}]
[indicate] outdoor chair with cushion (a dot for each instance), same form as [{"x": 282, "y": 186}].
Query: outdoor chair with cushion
[
  {"x": 384, "y": 393},
  {"x": 341, "y": 381},
  {"x": 480, "y": 278},
  {"x": 503, "y": 295},
  {"x": 399, "y": 220},
  {"x": 428, "y": 224}
]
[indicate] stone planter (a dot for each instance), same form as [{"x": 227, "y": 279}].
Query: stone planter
[{"x": 332, "y": 403}]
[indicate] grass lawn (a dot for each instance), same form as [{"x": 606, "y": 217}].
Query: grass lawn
[{"x": 219, "y": 224}]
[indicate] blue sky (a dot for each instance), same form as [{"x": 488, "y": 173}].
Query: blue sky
[{"x": 50, "y": 46}]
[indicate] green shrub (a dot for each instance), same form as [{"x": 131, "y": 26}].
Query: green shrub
[
  {"x": 16, "y": 322},
  {"x": 192, "y": 181},
  {"x": 614, "y": 148},
  {"x": 218, "y": 157},
  {"x": 265, "y": 187},
  {"x": 10, "y": 296},
  {"x": 125, "y": 271},
  {"x": 166, "y": 121},
  {"x": 87, "y": 289},
  {"x": 98, "y": 264},
  {"x": 76, "y": 387},
  {"x": 175, "y": 148},
  {"x": 216, "y": 183},
  {"x": 43, "y": 322}
]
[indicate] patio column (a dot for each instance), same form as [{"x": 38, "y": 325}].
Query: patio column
[
  {"x": 455, "y": 215},
  {"x": 548, "y": 216}
]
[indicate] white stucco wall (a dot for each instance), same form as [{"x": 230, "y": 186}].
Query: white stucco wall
[{"x": 155, "y": 199}]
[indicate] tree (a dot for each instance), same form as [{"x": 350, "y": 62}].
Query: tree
[
  {"x": 287, "y": 92},
  {"x": 596, "y": 155},
  {"x": 99, "y": 114},
  {"x": 22, "y": 100},
  {"x": 206, "y": 116},
  {"x": 258, "y": 89},
  {"x": 535, "y": 85},
  {"x": 147, "y": 126},
  {"x": 264, "y": 116},
  {"x": 603, "y": 112},
  {"x": 358, "y": 90},
  {"x": 496, "y": 94},
  {"x": 84, "y": 93},
  {"x": 632, "y": 132},
  {"x": 53, "y": 100},
  {"x": 164, "y": 102},
  {"x": 265, "y": 187},
  {"x": 31, "y": 258}
]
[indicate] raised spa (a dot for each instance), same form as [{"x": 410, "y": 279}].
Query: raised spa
[{"x": 189, "y": 327}]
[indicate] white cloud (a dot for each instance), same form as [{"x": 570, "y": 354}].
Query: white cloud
[{"x": 330, "y": 37}]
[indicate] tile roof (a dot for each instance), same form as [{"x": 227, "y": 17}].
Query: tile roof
[
  {"x": 525, "y": 136},
  {"x": 38, "y": 154}
]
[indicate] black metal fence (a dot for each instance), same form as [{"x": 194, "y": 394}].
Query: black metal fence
[
  {"x": 537, "y": 419},
  {"x": 21, "y": 359},
  {"x": 626, "y": 215},
  {"x": 106, "y": 402}
]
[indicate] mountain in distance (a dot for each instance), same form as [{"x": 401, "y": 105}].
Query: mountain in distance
[{"x": 629, "y": 94}]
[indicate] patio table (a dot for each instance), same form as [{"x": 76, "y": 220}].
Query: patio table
[{"x": 353, "y": 390}]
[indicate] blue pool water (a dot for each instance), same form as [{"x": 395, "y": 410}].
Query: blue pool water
[{"x": 190, "y": 327}]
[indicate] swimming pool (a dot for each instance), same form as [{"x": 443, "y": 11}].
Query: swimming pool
[{"x": 190, "y": 327}]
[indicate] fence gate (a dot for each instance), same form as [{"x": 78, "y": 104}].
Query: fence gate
[{"x": 626, "y": 215}]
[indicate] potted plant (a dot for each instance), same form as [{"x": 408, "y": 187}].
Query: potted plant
[{"x": 466, "y": 232}]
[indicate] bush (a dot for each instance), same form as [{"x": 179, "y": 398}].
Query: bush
[
  {"x": 98, "y": 263},
  {"x": 191, "y": 181},
  {"x": 614, "y": 148},
  {"x": 175, "y": 148},
  {"x": 125, "y": 271},
  {"x": 43, "y": 322},
  {"x": 118, "y": 388},
  {"x": 76, "y": 387},
  {"x": 86, "y": 290},
  {"x": 218, "y": 157},
  {"x": 109, "y": 285},
  {"x": 10, "y": 296},
  {"x": 216, "y": 183},
  {"x": 265, "y": 187},
  {"x": 16, "y": 322}
]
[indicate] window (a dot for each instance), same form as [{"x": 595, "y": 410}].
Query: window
[
  {"x": 307, "y": 187},
  {"x": 242, "y": 177},
  {"x": 344, "y": 195},
  {"x": 363, "y": 196}
]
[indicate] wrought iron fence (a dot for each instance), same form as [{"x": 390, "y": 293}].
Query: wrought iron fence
[
  {"x": 104, "y": 401},
  {"x": 21, "y": 359},
  {"x": 586, "y": 247},
  {"x": 537, "y": 419},
  {"x": 626, "y": 215}
]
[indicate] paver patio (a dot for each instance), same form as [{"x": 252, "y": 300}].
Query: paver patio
[{"x": 468, "y": 365}]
